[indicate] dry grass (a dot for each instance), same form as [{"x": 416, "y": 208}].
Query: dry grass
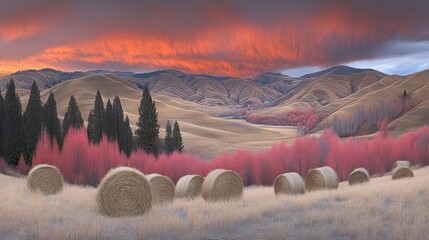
[
  {"x": 203, "y": 133},
  {"x": 381, "y": 209}
]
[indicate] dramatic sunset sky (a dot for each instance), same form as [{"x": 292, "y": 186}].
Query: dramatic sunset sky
[{"x": 238, "y": 38}]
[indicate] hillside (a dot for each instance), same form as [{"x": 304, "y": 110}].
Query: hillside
[
  {"x": 208, "y": 90},
  {"x": 44, "y": 78},
  {"x": 337, "y": 70},
  {"x": 321, "y": 91},
  {"x": 202, "y": 132},
  {"x": 196, "y": 99},
  {"x": 388, "y": 89}
]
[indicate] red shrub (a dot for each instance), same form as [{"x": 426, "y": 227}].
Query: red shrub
[
  {"x": 84, "y": 163},
  {"x": 22, "y": 167},
  {"x": 295, "y": 117}
]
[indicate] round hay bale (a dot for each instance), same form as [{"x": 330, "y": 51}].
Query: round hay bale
[
  {"x": 162, "y": 188},
  {"x": 124, "y": 191},
  {"x": 402, "y": 172},
  {"x": 359, "y": 175},
  {"x": 45, "y": 178},
  {"x": 401, "y": 163},
  {"x": 222, "y": 185},
  {"x": 189, "y": 186},
  {"x": 289, "y": 183},
  {"x": 321, "y": 178}
]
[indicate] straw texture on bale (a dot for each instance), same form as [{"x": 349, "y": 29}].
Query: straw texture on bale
[
  {"x": 45, "y": 178},
  {"x": 289, "y": 183},
  {"x": 401, "y": 163},
  {"x": 359, "y": 175},
  {"x": 162, "y": 188},
  {"x": 321, "y": 178},
  {"x": 189, "y": 186},
  {"x": 222, "y": 185},
  {"x": 402, "y": 172},
  {"x": 124, "y": 191}
]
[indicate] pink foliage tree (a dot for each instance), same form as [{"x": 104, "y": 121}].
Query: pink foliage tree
[{"x": 84, "y": 163}]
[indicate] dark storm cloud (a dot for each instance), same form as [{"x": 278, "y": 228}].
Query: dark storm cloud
[{"x": 219, "y": 37}]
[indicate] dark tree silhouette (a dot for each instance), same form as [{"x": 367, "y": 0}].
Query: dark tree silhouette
[
  {"x": 96, "y": 120},
  {"x": 72, "y": 117},
  {"x": 148, "y": 128},
  {"x": 177, "y": 138},
  {"x": 13, "y": 141},
  {"x": 110, "y": 122},
  {"x": 33, "y": 118},
  {"x": 128, "y": 138},
  {"x": 168, "y": 140},
  {"x": 51, "y": 122}
]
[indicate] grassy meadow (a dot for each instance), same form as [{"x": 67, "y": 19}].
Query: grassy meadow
[{"x": 380, "y": 209}]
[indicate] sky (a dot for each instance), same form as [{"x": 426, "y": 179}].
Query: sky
[{"x": 217, "y": 37}]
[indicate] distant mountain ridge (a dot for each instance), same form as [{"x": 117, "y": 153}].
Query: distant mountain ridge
[
  {"x": 335, "y": 92},
  {"x": 262, "y": 90},
  {"x": 339, "y": 70}
]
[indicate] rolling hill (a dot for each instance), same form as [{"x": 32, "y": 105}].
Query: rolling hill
[
  {"x": 196, "y": 100},
  {"x": 202, "y": 132}
]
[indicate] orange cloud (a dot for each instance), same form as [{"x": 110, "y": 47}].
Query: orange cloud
[
  {"x": 12, "y": 32},
  {"x": 214, "y": 39},
  {"x": 230, "y": 51}
]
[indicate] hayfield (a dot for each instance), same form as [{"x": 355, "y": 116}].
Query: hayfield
[{"x": 380, "y": 209}]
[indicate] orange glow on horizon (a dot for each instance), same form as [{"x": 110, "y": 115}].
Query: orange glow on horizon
[{"x": 237, "y": 50}]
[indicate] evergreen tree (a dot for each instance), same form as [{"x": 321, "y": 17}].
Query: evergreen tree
[
  {"x": 111, "y": 123},
  {"x": 128, "y": 138},
  {"x": 119, "y": 116},
  {"x": 72, "y": 117},
  {"x": 96, "y": 120},
  {"x": 2, "y": 115},
  {"x": 177, "y": 138},
  {"x": 168, "y": 141},
  {"x": 90, "y": 127},
  {"x": 148, "y": 128},
  {"x": 51, "y": 122},
  {"x": 13, "y": 141},
  {"x": 33, "y": 117}
]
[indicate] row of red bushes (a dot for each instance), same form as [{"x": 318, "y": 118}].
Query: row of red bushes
[
  {"x": 84, "y": 163},
  {"x": 295, "y": 117},
  {"x": 304, "y": 119}
]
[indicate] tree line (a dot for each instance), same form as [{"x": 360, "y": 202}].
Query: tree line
[{"x": 20, "y": 131}]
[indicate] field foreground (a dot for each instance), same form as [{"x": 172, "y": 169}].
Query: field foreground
[{"x": 380, "y": 209}]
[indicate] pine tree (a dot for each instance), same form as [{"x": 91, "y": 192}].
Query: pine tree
[
  {"x": 13, "y": 141},
  {"x": 96, "y": 121},
  {"x": 2, "y": 115},
  {"x": 90, "y": 127},
  {"x": 72, "y": 117},
  {"x": 168, "y": 141},
  {"x": 51, "y": 122},
  {"x": 128, "y": 138},
  {"x": 119, "y": 116},
  {"x": 148, "y": 128},
  {"x": 111, "y": 123},
  {"x": 177, "y": 138},
  {"x": 33, "y": 117}
]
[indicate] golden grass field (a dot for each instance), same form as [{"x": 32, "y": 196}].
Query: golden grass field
[
  {"x": 203, "y": 133},
  {"x": 380, "y": 209},
  {"x": 206, "y": 134}
]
